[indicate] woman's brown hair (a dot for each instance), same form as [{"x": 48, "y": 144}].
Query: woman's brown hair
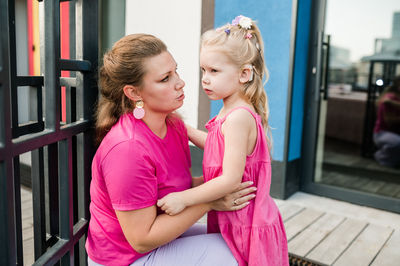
[{"x": 122, "y": 65}]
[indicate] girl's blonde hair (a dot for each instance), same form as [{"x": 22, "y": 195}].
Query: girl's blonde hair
[
  {"x": 245, "y": 47},
  {"x": 122, "y": 65}
]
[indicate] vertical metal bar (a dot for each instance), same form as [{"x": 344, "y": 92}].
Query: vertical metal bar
[
  {"x": 86, "y": 14},
  {"x": 83, "y": 159},
  {"x": 52, "y": 69},
  {"x": 53, "y": 188},
  {"x": 327, "y": 61},
  {"x": 66, "y": 194},
  {"x": 39, "y": 220},
  {"x": 68, "y": 107},
  {"x": 8, "y": 252},
  {"x": 75, "y": 179},
  {"x": 17, "y": 208},
  {"x": 367, "y": 139},
  {"x": 318, "y": 73},
  {"x": 87, "y": 49},
  {"x": 13, "y": 67},
  {"x": 39, "y": 104},
  {"x": 79, "y": 56},
  {"x": 76, "y": 199},
  {"x": 70, "y": 93},
  {"x": 72, "y": 32}
]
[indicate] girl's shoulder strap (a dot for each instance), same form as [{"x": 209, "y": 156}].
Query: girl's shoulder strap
[{"x": 236, "y": 108}]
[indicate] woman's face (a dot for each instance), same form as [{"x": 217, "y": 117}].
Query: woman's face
[{"x": 162, "y": 88}]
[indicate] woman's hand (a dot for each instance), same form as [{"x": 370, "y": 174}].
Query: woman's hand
[{"x": 236, "y": 200}]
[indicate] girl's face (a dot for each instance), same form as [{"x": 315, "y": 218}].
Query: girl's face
[
  {"x": 220, "y": 78},
  {"x": 162, "y": 88}
]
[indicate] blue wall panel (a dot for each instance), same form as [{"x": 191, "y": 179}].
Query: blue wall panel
[
  {"x": 274, "y": 19},
  {"x": 299, "y": 78}
]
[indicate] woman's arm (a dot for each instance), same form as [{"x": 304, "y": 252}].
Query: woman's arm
[
  {"x": 196, "y": 136},
  {"x": 237, "y": 129},
  {"x": 146, "y": 231}
]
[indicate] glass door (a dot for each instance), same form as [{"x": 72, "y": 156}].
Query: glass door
[{"x": 355, "y": 59}]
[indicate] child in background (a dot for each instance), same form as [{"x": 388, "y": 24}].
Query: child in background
[{"x": 236, "y": 148}]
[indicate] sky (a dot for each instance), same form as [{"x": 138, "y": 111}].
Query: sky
[{"x": 354, "y": 24}]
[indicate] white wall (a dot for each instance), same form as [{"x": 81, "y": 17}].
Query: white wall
[{"x": 178, "y": 24}]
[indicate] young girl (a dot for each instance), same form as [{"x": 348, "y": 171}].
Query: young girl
[{"x": 236, "y": 148}]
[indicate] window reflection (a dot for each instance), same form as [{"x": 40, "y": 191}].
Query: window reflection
[{"x": 364, "y": 62}]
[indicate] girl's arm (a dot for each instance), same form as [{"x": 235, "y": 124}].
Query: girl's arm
[
  {"x": 196, "y": 136},
  {"x": 237, "y": 128},
  {"x": 145, "y": 230}
]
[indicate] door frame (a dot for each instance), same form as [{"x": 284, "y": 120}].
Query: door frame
[{"x": 310, "y": 129}]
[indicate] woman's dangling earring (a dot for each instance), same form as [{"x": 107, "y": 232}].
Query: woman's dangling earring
[{"x": 138, "y": 112}]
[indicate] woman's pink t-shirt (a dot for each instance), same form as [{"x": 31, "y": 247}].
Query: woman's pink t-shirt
[
  {"x": 385, "y": 109},
  {"x": 132, "y": 169}
]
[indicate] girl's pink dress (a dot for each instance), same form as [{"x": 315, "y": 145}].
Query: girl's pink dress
[{"x": 255, "y": 234}]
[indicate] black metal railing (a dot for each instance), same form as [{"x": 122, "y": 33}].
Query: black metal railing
[{"x": 61, "y": 152}]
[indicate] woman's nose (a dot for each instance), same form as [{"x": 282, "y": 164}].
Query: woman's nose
[{"x": 180, "y": 84}]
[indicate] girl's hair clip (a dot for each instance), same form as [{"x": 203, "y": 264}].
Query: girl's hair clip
[
  {"x": 227, "y": 31},
  {"x": 248, "y": 35},
  {"x": 243, "y": 22}
]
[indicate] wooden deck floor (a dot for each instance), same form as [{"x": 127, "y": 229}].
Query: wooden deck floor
[
  {"x": 319, "y": 230},
  {"x": 329, "y": 232}
]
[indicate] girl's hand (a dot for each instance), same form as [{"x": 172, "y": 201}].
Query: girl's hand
[
  {"x": 172, "y": 203},
  {"x": 236, "y": 200}
]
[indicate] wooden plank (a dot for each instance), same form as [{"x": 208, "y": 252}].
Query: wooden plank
[
  {"x": 311, "y": 236},
  {"x": 358, "y": 182},
  {"x": 26, "y": 194},
  {"x": 29, "y": 252},
  {"x": 372, "y": 186},
  {"x": 27, "y": 233},
  {"x": 390, "y": 253},
  {"x": 300, "y": 221},
  {"x": 389, "y": 189},
  {"x": 288, "y": 210},
  {"x": 27, "y": 223},
  {"x": 336, "y": 242},
  {"x": 365, "y": 247}
]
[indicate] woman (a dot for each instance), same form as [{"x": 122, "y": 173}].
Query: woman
[
  {"x": 387, "y": 126},
  {"x": 143, "y": 156}
]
